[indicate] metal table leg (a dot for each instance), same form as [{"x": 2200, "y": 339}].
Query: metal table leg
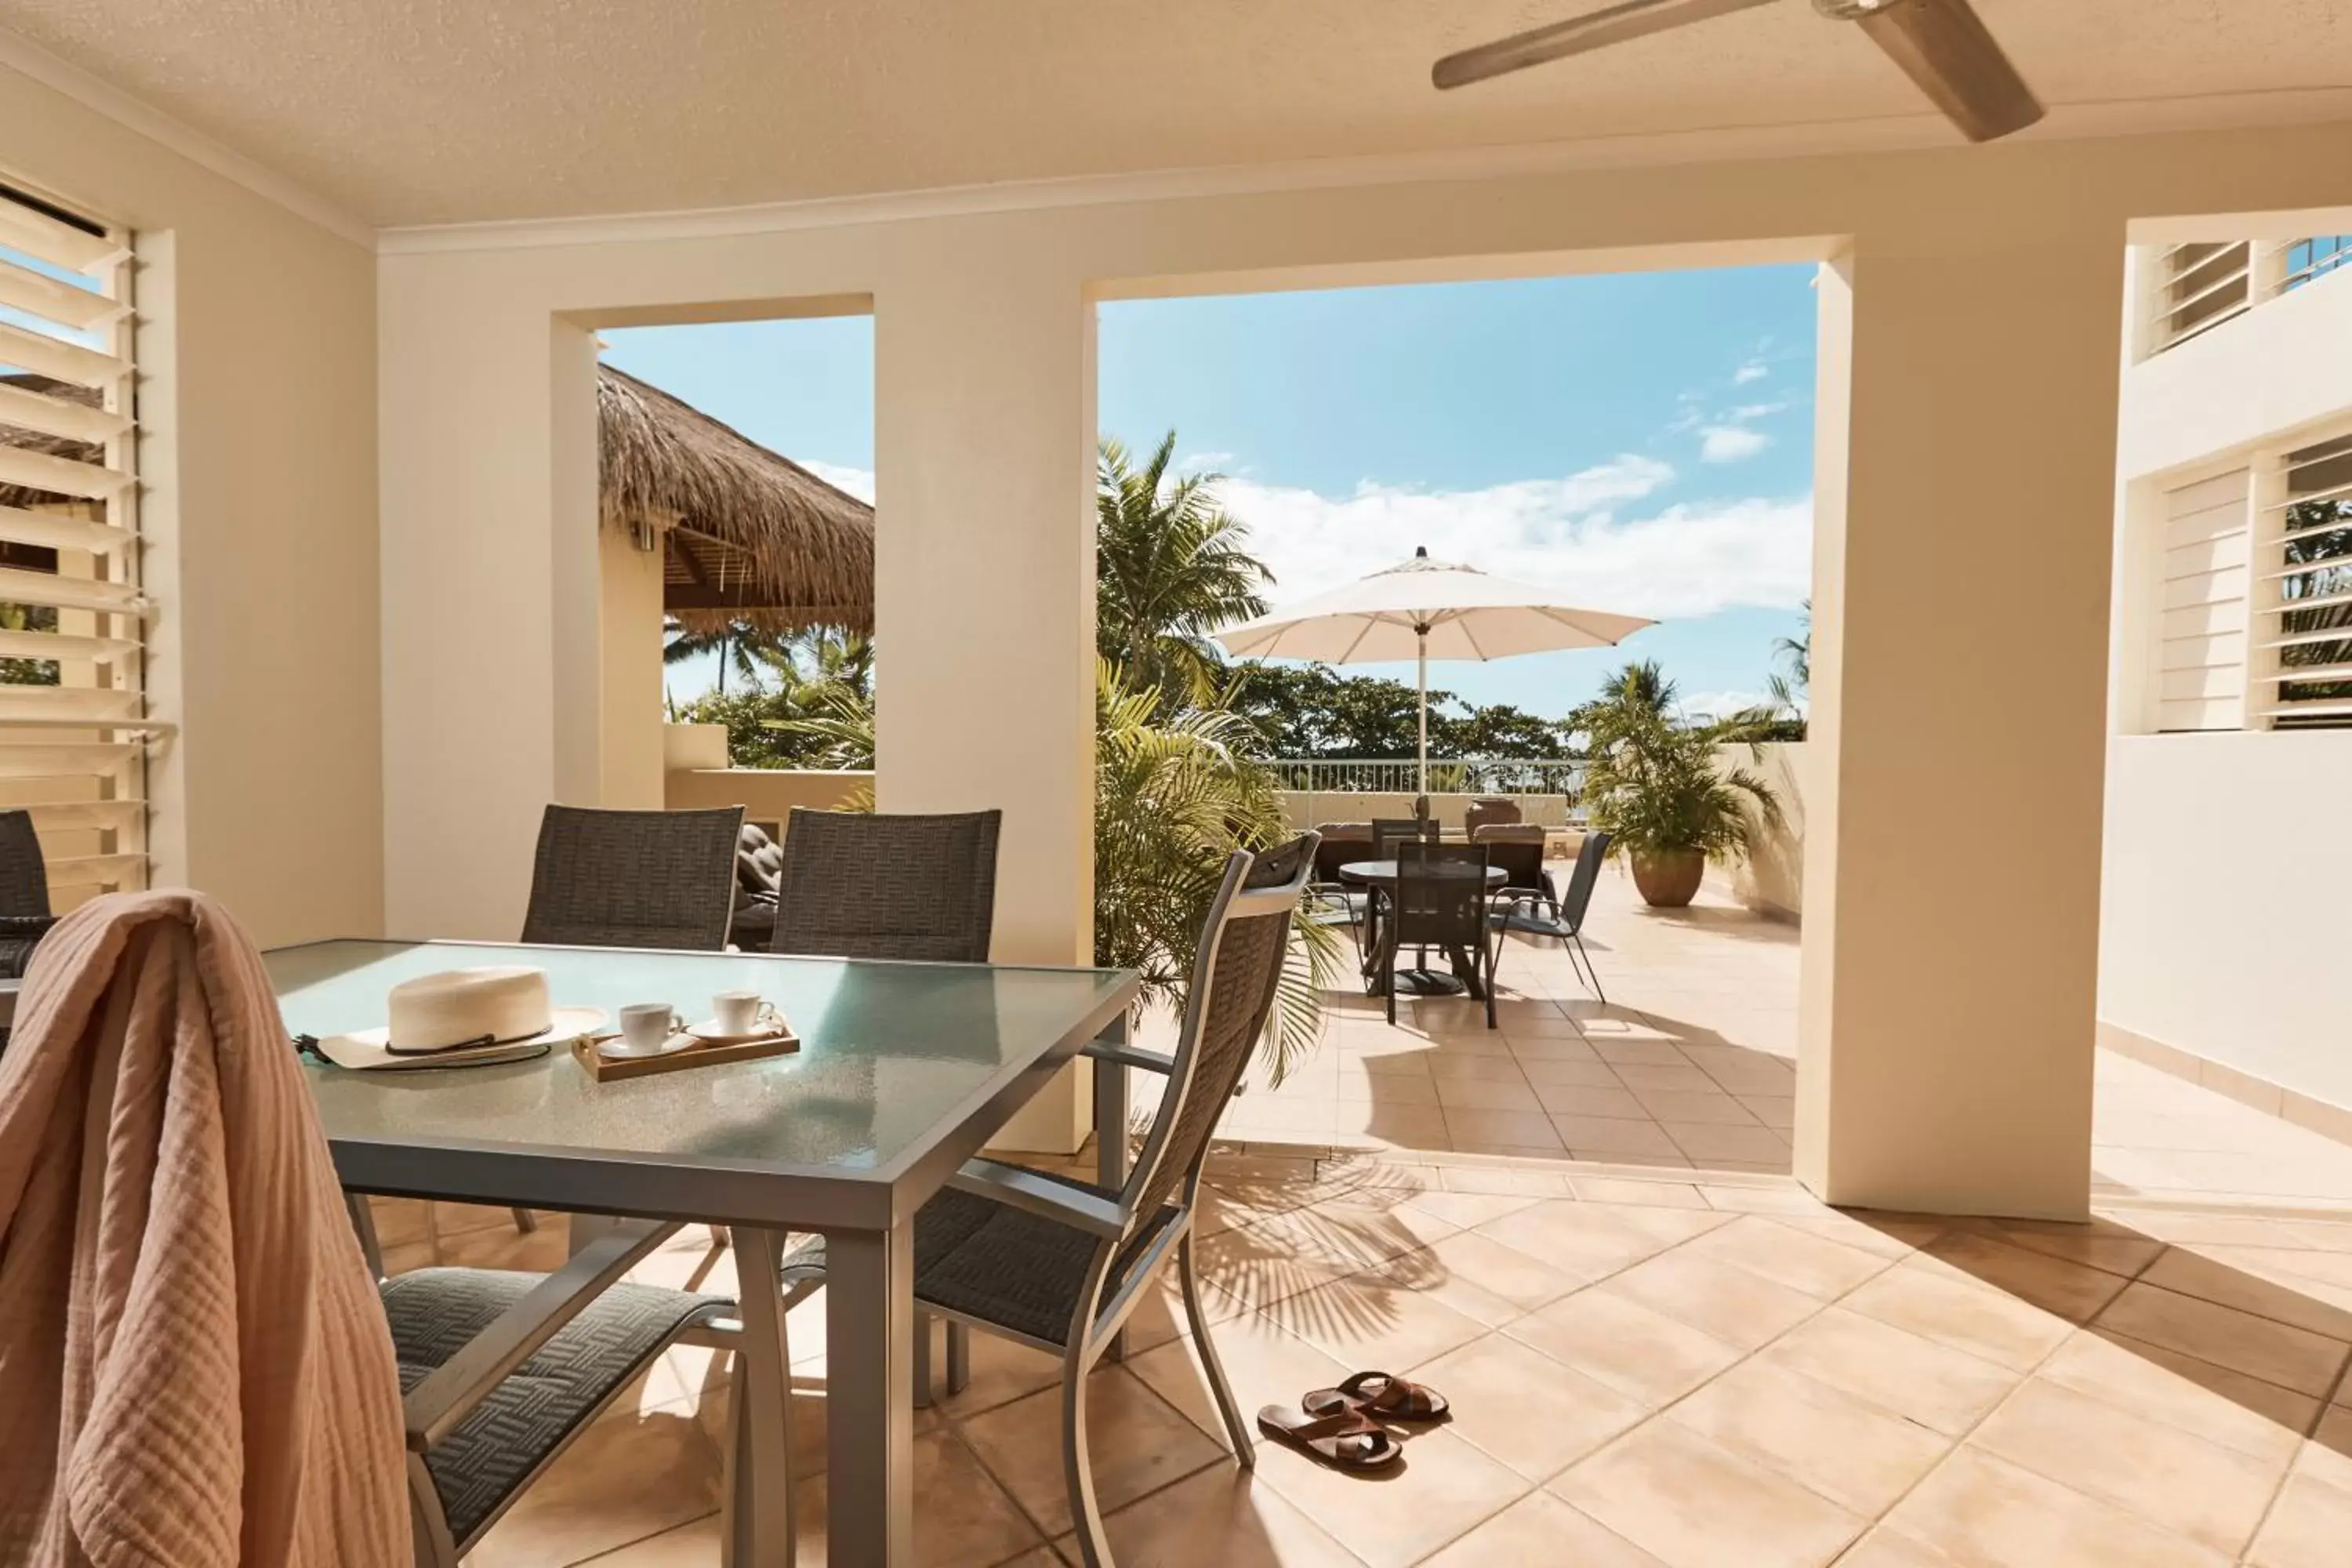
[
  {"x": 1111, "y": 1138},
  {"x": 869, "y": 1315},
  {"x": 759, "y": 1514}
]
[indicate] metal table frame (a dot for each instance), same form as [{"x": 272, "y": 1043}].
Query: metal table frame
[{"x": 868, "y": 1225}]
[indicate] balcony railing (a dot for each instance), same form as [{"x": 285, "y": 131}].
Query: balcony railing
[
  {"x": 1475, "y": 775},
  {"x": 2196, "y": 285}
]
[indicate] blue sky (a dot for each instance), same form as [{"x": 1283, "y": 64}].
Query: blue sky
[{"x": 1640, "y": 442}]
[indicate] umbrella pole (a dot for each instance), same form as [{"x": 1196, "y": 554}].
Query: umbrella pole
[{"x": 1423, "y": 682}]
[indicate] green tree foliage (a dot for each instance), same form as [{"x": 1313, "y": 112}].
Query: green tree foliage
[
  {"x": 1172, "y": 566},
  {"x": 808, "y": 703},
  {"x": 1175, "y": 795},
  {"x": 1313, "y": 711},
  {"x": 29, "y": 671},
  {"x": 1654, "y": 779}
]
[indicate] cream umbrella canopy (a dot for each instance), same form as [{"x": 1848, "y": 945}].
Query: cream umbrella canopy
[{"x": 1423, "y": 609}]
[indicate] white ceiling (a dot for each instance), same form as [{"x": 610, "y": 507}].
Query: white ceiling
[{"x": 429, "y": 111}]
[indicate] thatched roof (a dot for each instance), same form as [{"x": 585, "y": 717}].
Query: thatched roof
[
  {"x": 745, "y": 534},
  {"x": 748, "y": 535}
]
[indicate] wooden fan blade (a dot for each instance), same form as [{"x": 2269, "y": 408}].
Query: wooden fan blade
[
  {"x": 1595, "y": 29},
  {"x": 1944, "y": 48}
]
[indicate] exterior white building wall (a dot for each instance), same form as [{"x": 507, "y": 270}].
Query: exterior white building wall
[{"x": 2223, "y": 919}]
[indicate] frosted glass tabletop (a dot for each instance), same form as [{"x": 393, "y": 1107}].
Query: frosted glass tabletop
[{"x": 899, "y": 1065}]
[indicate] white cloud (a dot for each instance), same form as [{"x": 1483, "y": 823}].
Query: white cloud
[
  {"x": 1681, "y": 561},
  {"x": 1753, "y": 370},
  {"x": 1730, "y": 443},
  {"x": 1723, "y": 704},
  {"x": 1202, "y": 462},
  {"x": 858, "y": 482}
]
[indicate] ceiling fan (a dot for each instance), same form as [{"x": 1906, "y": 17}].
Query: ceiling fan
[{"x": 1942, "y": 45}]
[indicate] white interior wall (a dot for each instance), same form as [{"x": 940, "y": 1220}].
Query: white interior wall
[{"x": 256, "y": 348}]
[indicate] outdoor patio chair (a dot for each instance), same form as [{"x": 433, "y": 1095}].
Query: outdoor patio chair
[
  {"x": 1337, "y": 903},
  {"x": 759, "y": 867},
  {"x": 501, "y": 1372},
  {"x": 1488, "y": 812},
  {"x": 1537, "y": 914},
  {"x": 1058, "y": 1264},
  {"x": 634, "y": 878},
  {"x": 25, "y": 916},
  {"x": 1518, "y": 849},
  {"x": 1388, "y": 831},
  {"x": 862, "y": 885},
  {"x": 1441, "y": 901}
]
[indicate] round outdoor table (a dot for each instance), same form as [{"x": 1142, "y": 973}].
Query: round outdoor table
[{"x": 1381, "y": 876}]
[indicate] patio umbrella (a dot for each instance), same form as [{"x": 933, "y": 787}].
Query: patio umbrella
[{"x": 1424, "y": 609}]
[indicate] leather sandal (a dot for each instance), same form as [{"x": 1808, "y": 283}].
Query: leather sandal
[
  {"x": 1343, "y": 1440},
  {"x": 1380, "y": 1395}
]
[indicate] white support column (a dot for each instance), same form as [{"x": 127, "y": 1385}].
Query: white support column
[
  {"x": 1965, "y": 488},
  {"x": 984, "y": 537}
]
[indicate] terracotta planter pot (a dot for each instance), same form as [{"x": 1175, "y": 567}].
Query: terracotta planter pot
[{"x": 1668, "y": 878}]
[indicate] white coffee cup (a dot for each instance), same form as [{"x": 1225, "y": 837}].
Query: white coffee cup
[
  {"x": 645, "y": 1026},
  {"x": 739, "y": 1012}
]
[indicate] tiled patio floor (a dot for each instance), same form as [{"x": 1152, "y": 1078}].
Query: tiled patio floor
[
  {"x": 1692, "y": 1063},
  {"x": 1710, "y": 1373}
]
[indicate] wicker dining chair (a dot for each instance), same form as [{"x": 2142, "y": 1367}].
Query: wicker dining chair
[
  {"x": 1058, "y": 1264},
  {"x": 634, "y": 878},
  {"x": 25, "y": 916},
  {"x": 864, "y": 885}
]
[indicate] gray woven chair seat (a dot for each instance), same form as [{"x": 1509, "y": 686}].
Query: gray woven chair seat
[
  {"x": 434, "y": 1313},
  {"x": 999, "y": 1265}
]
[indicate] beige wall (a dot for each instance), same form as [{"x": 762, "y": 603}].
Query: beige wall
[
  {"x": 1304, "y": 809},
  {"x": 1985, "y": 299},
  {"x": 1771, "y": 881},
  {"x": 629, "y": 626},
  {"x": 766, "y": 794},
  {"x": 256, "y": 345}
]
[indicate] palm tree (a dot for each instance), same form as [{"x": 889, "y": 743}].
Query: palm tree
[
  {"x": 1799, "y": 651},
  {"x": 738, "y": 644},
  {"x": 1170, "y": 567}
]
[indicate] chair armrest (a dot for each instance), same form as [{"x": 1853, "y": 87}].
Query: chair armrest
[
  {"x": 1040, "y": 1195},
  {"x": 1121, "y": 1054},
  {"x": 433, "y": 1409}
]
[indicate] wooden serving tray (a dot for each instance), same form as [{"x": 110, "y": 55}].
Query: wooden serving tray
[{"x": 613, "y": 1070}]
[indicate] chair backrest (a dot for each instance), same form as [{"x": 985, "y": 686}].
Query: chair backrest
[
  {"x": 1518, "y": 849},
  {"x": 1339, "y": 843},
  {"x": 1235, "y": 970},
  {"x": 634, "y": 878},
  {"x": 1488, "y": 813},
  {"x": 1388, "y": 831},
  {"x": 1441, "y": 895},
  {"x": 862, "y": 885},
  {"x": 1579, "y": 892},
  {"x": 24, "y": 874}
]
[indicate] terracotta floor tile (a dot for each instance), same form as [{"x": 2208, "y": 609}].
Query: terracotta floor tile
[
  {"x": 1774, "y": 1110},
  {"x": 1941, "y": 1388},
  {"x": 1467, "y": 1209},
  {"x": 1442, "y": 1489},
  {"x": 1223, "y": 1515},
  {"x": 1657, "y": 1078},
  {"x": 1851, "y": 1453},
  {"x": 1496, "y": 1179},
  {"x": 628, "y": 1477},
  {"x": 2307, "y": 1528},
  {"x": 1395, "y": 1317},
  {"x": 1704, "y": 1140},
  {"x": 1563, "y": 1048},
  {"x": 1671, "y": 1106},
  {"x": 1524, "y": 1408},
  {"x": 1607, "y": 1137},
  {"x": 1502, "y": 1282},
  {"x": 1646, "y": 1048},
  {"x": 1529, "y": 1129},
  {"x": 1642, "y": 1193},
  {"x": 1730, "y": 1303},
  {"x": 1138, "y": 1443},
  {"x": 1694, "y": 1504},
  {"x": 1487, "y": 1094},
  {"x": 1590, "y": 1241},
  {"x": 1962, "y": 1314},
  {"x": 1984, "y": 1512},
  {"x": 1541, "y": 1528},
  {"x": 2214, "y": 1279},
  {"x": 1884, "y": 1548},
  {"x": 1265, "y": 1363},
  {"x": 1821, "y": 1268},
  {"x": 2254, "y": 1417},
  {"x": 2101, "y": 1243},
  {"x": 2183, "y": 1483},
  {"x": 2276, "y": 1352},
  {"x": 1576, "y": 1100},
  {"x": 1002, "y": 1372},
  {"x": 1571, "y": 1074},
  {"x": 1632, "y": 1348},
  {"x": 2071, "y": 1290}
]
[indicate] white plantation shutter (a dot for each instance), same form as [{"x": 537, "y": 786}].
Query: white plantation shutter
[
  {"x": 74, "y": 724},
  {"x": 2303, "y": 589},
  {"x": 2201, "y": 628}
]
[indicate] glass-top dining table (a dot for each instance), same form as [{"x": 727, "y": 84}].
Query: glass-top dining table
[{"x": 904, "y": 1071}]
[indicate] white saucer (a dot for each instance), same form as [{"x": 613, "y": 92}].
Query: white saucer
[
  {"x": 618, "y": 1048},
  {"x": 708, "y": 1033}
]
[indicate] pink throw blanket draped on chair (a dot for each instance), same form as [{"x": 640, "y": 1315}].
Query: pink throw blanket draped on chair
[{"x": 194, "y": 1369}]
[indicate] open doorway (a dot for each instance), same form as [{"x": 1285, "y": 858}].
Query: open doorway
[{"x": 1634, "y": 444}]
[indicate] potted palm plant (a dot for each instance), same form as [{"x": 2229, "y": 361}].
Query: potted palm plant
[{"x": 1658, "y": 785}]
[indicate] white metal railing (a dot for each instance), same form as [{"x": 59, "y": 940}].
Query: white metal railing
[
  {"x": 1472, "y": 775},
  {"x": 2196, "y": 285}
]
